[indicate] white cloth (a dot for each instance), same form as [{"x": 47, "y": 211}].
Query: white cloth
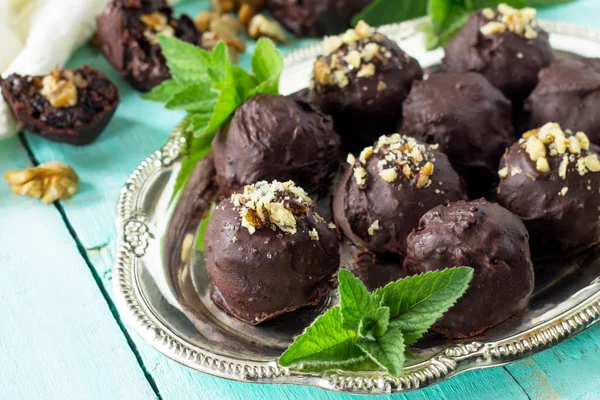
[{"x": 39, "y": 35}]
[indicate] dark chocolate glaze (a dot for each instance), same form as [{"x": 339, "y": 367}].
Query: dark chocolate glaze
[
  {"x": 315, "y": 17},
  {"x": 568, "y": 92},
  {"x": 80, "y": 124},
  {"x": 469, "y": 118},
  {"x": 559, "y": 225},
  {"x": 362, "y": 112},
  {"x": 259, "y": 276},
  {"x": 121, "y": 36},
  {"x": 276, "y": 137},
  {"x": 397, "y": 206},
  {"x": 487, "y": 238},
  {"x": 509, "y": 61}
]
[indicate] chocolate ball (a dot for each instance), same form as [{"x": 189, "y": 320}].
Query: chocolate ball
[
  {"x": 276, "y": 137},
  {"x": 384, "y": 193},
  {"x": 315, "y": 17},
  {"x": 568, "y": 93},
  {"x": 361, "y": 80},
  {"x": 269, "y": 252},
  {"x": 128, "y": 34},
  {"x": 551, "y": 180},
  {"x": 487, "y": 238},
  {"x": 506, "y": 46},
  {"x": 469, "y": 118}
]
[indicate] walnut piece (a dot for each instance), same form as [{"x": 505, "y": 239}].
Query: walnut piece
[
  {"x": 263, "y": 26},
  {"x": 203, "y": 20},
  {"x": 226, "y": 25},
  {"x": 157, "y": 23},
  {"x": 234, "y": 44},
  {"x": 61, "y": 93},
  {"x": 222, "y": 6},
  {"x": 50, "y": 181},
  {"x": 246, "y": 13}
]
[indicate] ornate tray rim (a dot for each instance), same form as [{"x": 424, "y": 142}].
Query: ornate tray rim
[{"x": 134, "y": 239}]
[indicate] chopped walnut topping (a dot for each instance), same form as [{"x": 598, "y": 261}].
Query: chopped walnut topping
[
  {"x": 381, "y": 86},
  {"x": 263, "y": 26},
  {"x": 226, "y": 25},
  {"x": 374, "y": 227},
  {"x": 203, "y": 20},
  {"x": 521, "y": 22},
  {"x": 50, "y": 181},
  {"x": 314, "y": 235},
  {"x": 61, "y": 93},
  {"x": 235, "y": 45},
  {"x": 157, "y": 23},
  {"x": 276, "y": 204},
  {"x": 351, "y": 159},
  {"x": 222, "y": 6},
  {"x": 363, "y": 30},
  {"x": 331, "y": 225},
  {"x": 424, "y": 175},
  {"x": 340, "y": 78},
  {"x": 388, "y": 174},
  {"x": 331, "y": 44},
  {"x": 322, "y": 72},
  {"x": 246, "y": 13},
  {"x": 550, "y": 140},
  {"x": 366, "y": 71},
  {"x": 564, "y": 191},
  {"x": 366, "y": 154},
  {"x": 360, "y": 174},
  {"x": 369, "y": 51},
  {"x": 503, "y": 173},
  {"x": 353, "y": 59}
]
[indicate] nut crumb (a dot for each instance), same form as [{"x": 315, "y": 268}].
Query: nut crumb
[
  {"x": 314, "y": 235},
  {"x": 374, "y": 227},
  {"x": 542, "y": 164},
  {"x": 331, "y": 225},
  {"x": 246, "y": 13},
  {"x": 262, "y": 26},
  {"x": 564, "y": 191},
  {"x": 50, "y": 181},
  {"x": 503, "y": 173},
  {"x": 366, "y": 71},
  {"x": 360, "y": 175},
  {"x": 366, "y": 154},
  {"x": 388, "y": 174},
  {"x": 351, "y": 159},
  {"x": 234, "y": 239},
  {"x": 203, "y": 20},
  {"x": 381, "y": 86}
]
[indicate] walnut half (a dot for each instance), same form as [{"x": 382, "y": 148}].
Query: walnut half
[{"x": 50, "y": 181}]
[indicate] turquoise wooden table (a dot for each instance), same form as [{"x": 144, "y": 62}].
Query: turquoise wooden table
[{"x": 61, "y": 336}]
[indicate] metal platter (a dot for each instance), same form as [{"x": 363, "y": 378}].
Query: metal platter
[{"x": 161, "y": 286}]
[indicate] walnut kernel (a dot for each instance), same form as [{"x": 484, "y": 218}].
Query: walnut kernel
[
  {"x": 203, "y": 20},
  {"x": 263, "y": 26},
  {"x": 50, "y": 181},
  {"x": 222, "y": 6},
  {"x": 246, "y": 13},
  {"x": 61, "y": 93},
  {"x": 226, "y": 25}
]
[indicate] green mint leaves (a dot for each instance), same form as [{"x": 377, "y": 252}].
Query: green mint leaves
[
  {"x": 369, "y": 331},
  {"x": 447, "y": 16},
  {"x": 210, "y": 89}
]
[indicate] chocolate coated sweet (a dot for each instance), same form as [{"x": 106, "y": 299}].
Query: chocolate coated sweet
[
  {"x": 269, "y": 252},
  {"x": 551, "y": 180},
  {"x": 71, "y": 106},
  {"x": 510, "y": 57},
  {"x": 276, "y": 137},
  {"x": 361, "y": 80},
  {"x": 128, "y": 30},
  {"x": 487, "y": 238},
  {"x": 315, "y": 17},
  {"x": 568, "y": 93},
  {"x": 469, "y": 118},
  {"x": 384, "y": 193}
]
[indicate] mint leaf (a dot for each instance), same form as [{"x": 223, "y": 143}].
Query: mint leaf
[
  {"x": 387, "y": 350},
  {"x": 185, "y": 61},
  {"x": 381, "y": 12},
  {"x": 267, "y": 65},
  {"x": 362, "y": 363},
  {"x": 374, "y": 325},
  {"x": 356, "y": 302},
  {"x": 165, "y": 91},
  {"x": 418, "y": 301},
  {"x": 244, "y": 81},
  {"x": 325, "y": 341},
  {"x": 195, "y": 97},
  {"x": 202, "y": 228}
]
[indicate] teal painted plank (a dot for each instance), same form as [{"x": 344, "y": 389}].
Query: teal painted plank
[
  {"x": 582, "y": 12},
  {"x": 138, "y": 129},
  {"x": 58, "y": 339},
  {"x": 567, "y": 371}
]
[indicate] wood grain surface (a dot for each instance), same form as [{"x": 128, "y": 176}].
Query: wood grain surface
[{"x": 63, "y": 339}]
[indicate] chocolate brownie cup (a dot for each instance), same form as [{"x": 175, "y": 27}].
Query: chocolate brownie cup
[
  {"x": 128, "y": 34},
  {"x": 551, "y": 179},
  {"x": 384, "y": 193},
  {"x": 276, "y": 137},
  {"x": 469, "y": 118},
  {"x": 361, "y": 80},
  {"x": 568, "y": 93},
  {"x": 71, "y": 106},
  {"x": 506, "y": 46},
  {"x": 487, "y": 238},
  {"x": 269, "y": 252},
  {"x": 315, "y": 17}
]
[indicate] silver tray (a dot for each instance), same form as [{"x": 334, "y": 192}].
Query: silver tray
[{"x": 163, "y": 294}]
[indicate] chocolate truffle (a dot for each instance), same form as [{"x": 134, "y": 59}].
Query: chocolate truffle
[
  {"x": 269, "y": 252},
  {"x": 469, "y": 118},
  {"x": 551, "y": 180},
  {"x": 361, "y": 79},
  {"x": 128, "y": 34},
  {"x": 384, "y": 193},
  {"x": 487, "y": 238},
  {"x": 568, "y": 93},
  {"x": 315, "y": 17},
  {"x": 276, "y": 137},
  {"x": 71, "y": 106},
  {"x": 506, "y": 46}
]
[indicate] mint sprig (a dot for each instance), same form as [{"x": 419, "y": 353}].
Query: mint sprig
[
  {"x": 369, "y": 331},
  {"x": 447, "y": 16},
  {"x": 210, "y": 88}
]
